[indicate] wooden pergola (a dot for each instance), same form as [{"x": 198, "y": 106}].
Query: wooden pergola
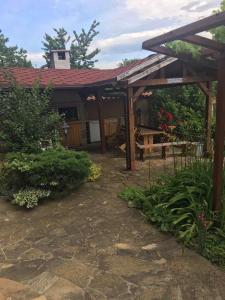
[{"x": 212, "y": 58}]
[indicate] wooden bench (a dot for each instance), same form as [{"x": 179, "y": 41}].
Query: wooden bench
[{"x": 142, "y": 148}]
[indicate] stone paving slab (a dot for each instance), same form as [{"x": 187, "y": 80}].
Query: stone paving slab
[{"x": 91, "y": 246}]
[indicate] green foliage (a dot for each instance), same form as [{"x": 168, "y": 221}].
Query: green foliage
[
  {"x": 79, "y": 50},
  {"x": 126, "y": 62},
  {"x": 54, "y": 43},
  {"x": 181, "y": 204},
  {"x": 95, "y": 172},
  {"x": 26, "y": 119},
  {"x": 134, "y": 195},
  {"x": 80, "y": 55},
  {"x": 218, "y": 33},
  {"x": 30, "y": 197},
  {"x": 50, "y": 169},
  {"x": 12, "y": 56},
  {"x": 54, "y": 170},
  {"x": 187, "y": 104},
  {"x": 180, "y": 47}
]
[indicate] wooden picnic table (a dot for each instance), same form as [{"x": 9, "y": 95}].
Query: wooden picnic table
[{"x": 148, "y": 135}]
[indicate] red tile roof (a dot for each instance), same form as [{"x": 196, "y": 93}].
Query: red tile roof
[{"x": 60, "y": 78}]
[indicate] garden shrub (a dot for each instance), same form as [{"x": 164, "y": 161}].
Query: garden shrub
[
  {"x": 95, "y": 172},
  {"x": 55, "y": 170},
  {"x": 182, "y": 204},
  {"x": 27, "y": 119},
  {"x": 29, "y": 197}
]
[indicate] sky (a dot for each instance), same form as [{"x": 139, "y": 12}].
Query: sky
[{"x": 124, "y": 24}]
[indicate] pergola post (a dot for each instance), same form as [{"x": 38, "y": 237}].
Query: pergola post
[
  {"x": 130, "y": 134},
  {"x": 101, "y": 121},
  {"x": 219, "y": 137},
  {"x": 208, "y": 120}
]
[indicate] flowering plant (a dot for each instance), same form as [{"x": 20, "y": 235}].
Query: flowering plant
[{"x": 166, "y": 119}]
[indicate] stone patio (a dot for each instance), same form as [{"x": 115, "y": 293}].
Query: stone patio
[{"x": 90, "y": 245}]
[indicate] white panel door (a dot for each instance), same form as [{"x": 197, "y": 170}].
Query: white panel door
[{"x": 94, "y": 131}]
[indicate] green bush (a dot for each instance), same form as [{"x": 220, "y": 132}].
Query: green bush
[
  {"x": 56, "y": 170},
  {"x": 27, "y": 119},
  {"x": 95, "y": 172},
  {"x": 182, "y": 204},
  {"x": 29, "y": 197}
]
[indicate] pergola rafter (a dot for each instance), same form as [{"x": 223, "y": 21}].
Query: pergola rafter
[
  {"x": 204, "y": 42},
  {"x": 188, "y": 33}
]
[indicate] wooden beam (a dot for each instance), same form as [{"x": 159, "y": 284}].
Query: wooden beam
[
  {"x": 219, "y": 138},
  {"x": 101, "y": 120},
  {"x": 188, "y": 30},
  {"x": 130, "y": 149},
  {"x": 208, "y": 120},
  {"x": 186, "y": 58},
  {"x": 204, "y": 42},
  {"x": 138, "y": 93},
  {"x": 170, "y": 81},
  {"x": 146, "y": 63},
  {"x": 203, "y": 86},
  {"x": 152, "y": 69}
]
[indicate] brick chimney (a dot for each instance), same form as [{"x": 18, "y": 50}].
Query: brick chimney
[{"x": 60, "y": 59}]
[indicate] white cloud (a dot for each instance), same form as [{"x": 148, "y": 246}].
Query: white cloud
[
  {"x": 36, "y": 58},
  {"x": 105, "y": 64},
  {"x": 175, "y": 9},
  {"x": 133, "y": 39}
]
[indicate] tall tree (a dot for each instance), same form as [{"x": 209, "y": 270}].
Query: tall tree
[
  {"x": 56, "y": 42},
  {"x": 12, "y": 56},
  {"x": 80, "y": 55}
]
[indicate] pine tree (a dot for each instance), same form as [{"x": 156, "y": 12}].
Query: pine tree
[
  {"x": 80, "y": 57},
  {"x": 12, "y": 56},
  {"x": 54, "y": 43}
]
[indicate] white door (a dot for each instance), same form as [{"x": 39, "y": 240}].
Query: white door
[{"x": 94, "y": 131}]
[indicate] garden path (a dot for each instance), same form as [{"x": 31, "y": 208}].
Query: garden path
[{"x": 90, "y": 245}]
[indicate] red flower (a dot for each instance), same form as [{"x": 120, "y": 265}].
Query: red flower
[{"x": 169, "y": 116}]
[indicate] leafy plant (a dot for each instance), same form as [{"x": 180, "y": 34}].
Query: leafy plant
[
  {"x": 29, "y": 197},
  {"x": 95, "y": 172},
  {"x": 54, "y": 170},
  {"x": 180, "y": 47},
  {"x": 12, "y": 56},
  {"x": 182, "y": 204},
  {"x": 26, "y": 118},
  {"x": 186, "y": 104}
]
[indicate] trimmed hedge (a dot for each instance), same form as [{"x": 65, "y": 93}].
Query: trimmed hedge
[{"x": 54, "y": 171}]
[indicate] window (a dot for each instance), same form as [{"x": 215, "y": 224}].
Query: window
[
  {"x": 70, "y": 113},
  {"x": 61, "y": 55}
]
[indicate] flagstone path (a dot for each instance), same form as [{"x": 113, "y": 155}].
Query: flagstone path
[{"x": 90, "y": 245}]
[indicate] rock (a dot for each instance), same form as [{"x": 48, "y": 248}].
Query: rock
[
  {"x": 42, "y": 282},
  {"x": 34, "y": 253},
  {"x": 160, "y": 261},
  {"x": 131, "y": 204},
  {"x": 125, "y": 248},
  {"x": 5, "y": 266},
  {"x": 2, "y": 297},
  {"x": 64, "y": 289},
  {"x": 75, "y": 271},
  {"x": 149, "y": 247},
  {"x": 9, "y": 287},
  {"x": 40, "y": 298}
]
